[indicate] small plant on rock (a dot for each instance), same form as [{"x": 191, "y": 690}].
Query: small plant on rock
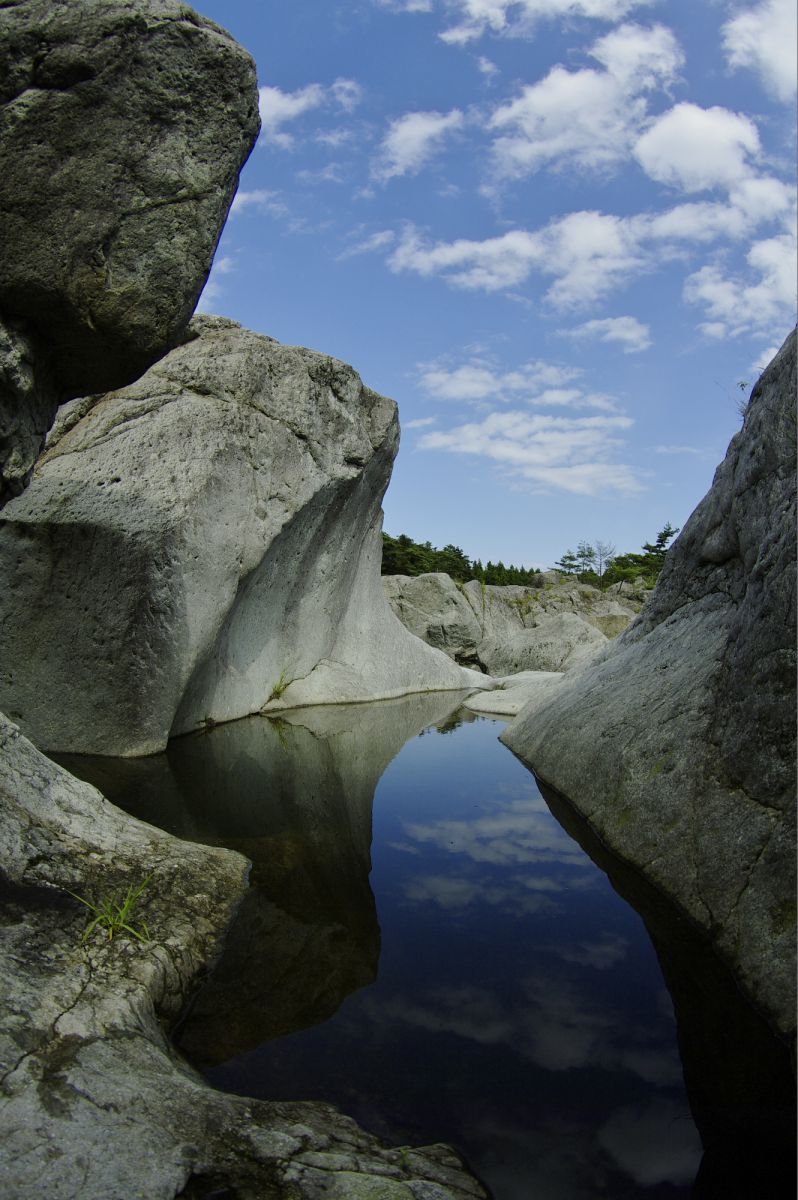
[{"x": 115, "y": 916}]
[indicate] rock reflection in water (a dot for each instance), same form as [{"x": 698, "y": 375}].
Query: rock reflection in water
[
  {"x": 739, "y": 1077},
  {"x": 295, "y": 796}
]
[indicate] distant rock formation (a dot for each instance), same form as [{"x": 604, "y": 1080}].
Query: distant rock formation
[
  {"x": 123, "y": 127},
  {"x": 202, "y": 545},
  {"x": 550, "y": 626},
  {"x": 678, "y": 741},
  {"x": 95, "y": 1102}
]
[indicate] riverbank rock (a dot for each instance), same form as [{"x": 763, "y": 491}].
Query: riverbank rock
[
  {"x": 94, "y": 1101},
  {"x": 678, "y": 742},
  {"x": 201, "y": 545},
  {"x": 123, "y": 127},
  {"x": 550, "y": 625}
]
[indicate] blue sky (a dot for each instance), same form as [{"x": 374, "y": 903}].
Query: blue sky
[{"x": 559, "y": 233}]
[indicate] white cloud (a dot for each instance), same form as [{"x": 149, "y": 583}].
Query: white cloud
[
  {"x": 676, "y": 450},
  {"x": 347, "y": 94},
  {"x": 632, "y": 335},
  {"x": 539, "y": 383},
  {"x": 419, "y": 423},
  {"x": 412, "y": 140},
  {"x": 518, "y": 18},
  {"x": 375, "y": 241},
  {"x": 586, "y": 118},
  {"x": 568, "y": 453},
  {"x": 487, "y": 68},
  {"x": 278, "y": 108},
  {"x": 259, "y": 199},
  {"x": 755, "y": 303},
  {"x": 762, "y": 39},
  {"x": 588, "y": 252},
  {"x": 696, "y": 148}
]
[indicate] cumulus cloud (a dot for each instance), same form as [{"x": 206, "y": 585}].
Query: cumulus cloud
[
  {"x": 588, "y": 118},
  {"x": 259, "y": 199},
  {"x": 631, "y": 334},
  {"x": 572, "y": 454},
  {"x": 518, "y": 18},
  {"x": 751, "y": 303},
  {"x": 419, "y": 423},
  {"x": 279, "y": 108},
  {"x": 695, "y": 148},
  {"x": 588, "y": 252},
  {"x": 412, "y": 140},
  {"x": 482, "y": 383},
  {"x": 762, "y": 39}
]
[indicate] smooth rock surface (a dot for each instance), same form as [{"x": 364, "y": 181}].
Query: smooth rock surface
[
  {"x": 550, "y": 625},
  {"x": 553, "y": 643},
  {"x": 94, "y": 1102},
  {"x": 513, "y": 693},
  {"x": 123, "y": 127},
  {"x": 678, "y": 742},
  {"x": 201, "y": 545}
]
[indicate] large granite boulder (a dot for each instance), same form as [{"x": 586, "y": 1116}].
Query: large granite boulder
[
  {"x": 552, "y": 624},
  {"x": 94, "y": 1101},
  {"x": 554, "y": 643},
  {"x": 434, "y": 608},
  {"x": 123, "y": 127},
  {"x": 201, "y": 545},
  {"x": 678, "y": 741}
]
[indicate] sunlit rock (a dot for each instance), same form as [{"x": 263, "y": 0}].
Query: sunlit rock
[
  {"x": 204, "y": 544},
  {"x": 678, "y": 742}
]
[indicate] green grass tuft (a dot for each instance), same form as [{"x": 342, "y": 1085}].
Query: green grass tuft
[{"x": 114, "y": 916}]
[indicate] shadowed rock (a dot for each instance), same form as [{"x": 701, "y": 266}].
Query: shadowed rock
[
  {"x": 123, "y": 127},
  {"x": 94, "y": 1101},
  {"x": 294, "y": 794},
  {"x": 202, "y": 544},
  {"x": 678, "y": 742}
]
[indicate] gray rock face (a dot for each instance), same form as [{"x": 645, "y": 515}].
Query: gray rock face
[
  {"x": 554, "y": 643},
  {"x": 678, "y": 741},
  {"x": 201, "y": 545},
  {"x": 123, "y": 126},
  {"x": 94, "y": 1101},
  {"x": 550, "y": 626},
  {"x": 433, "y": 608}
]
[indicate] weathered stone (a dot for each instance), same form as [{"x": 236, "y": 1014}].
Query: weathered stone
[
  {"x": 552, "y": 624},
  {"x": 201, "y": 545},
  {"x": 513, "y": 693},
  {"x": 678, "y": 741},
  {"x": 433, "y": 608},
  {"x": 28, "y": 400},
  {"x": 554, "y": 643},
  {"x": 94, "y": 1102},
  {"x": 123, "y": 127}
]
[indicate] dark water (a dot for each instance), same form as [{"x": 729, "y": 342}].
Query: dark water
[{"x": 483, "y": 985}]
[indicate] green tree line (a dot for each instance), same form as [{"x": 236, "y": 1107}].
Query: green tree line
[
  {"x": 594, "y": 563},
  {"x": 600, "y": 566},
  {"x": 402, "y": 556}
]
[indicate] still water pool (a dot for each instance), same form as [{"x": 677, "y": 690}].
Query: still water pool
[{"x": 424, "y": 946}]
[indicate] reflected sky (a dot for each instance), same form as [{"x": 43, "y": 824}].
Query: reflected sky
[{"x": 518, "y": 1011}]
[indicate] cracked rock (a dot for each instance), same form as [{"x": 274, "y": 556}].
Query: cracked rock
[{"x": 123, "y": 127}]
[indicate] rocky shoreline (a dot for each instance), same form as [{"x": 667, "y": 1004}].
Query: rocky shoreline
[{"x": 200, "y": 539}]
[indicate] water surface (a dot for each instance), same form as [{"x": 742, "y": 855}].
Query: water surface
[{"x": 426, "y": 947}]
